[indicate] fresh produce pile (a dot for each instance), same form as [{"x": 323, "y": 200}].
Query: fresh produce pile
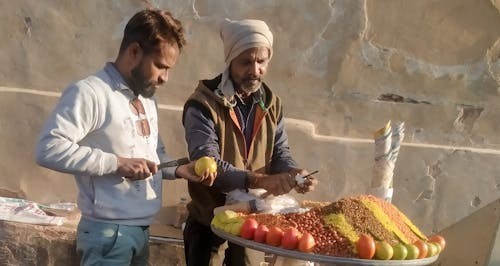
[{"x": 362, "y": 227}]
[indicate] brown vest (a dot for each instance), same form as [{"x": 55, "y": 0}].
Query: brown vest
[{"x": 232, "y": 145}]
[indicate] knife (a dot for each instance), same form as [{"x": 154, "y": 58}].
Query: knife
[
  {"x": 173, "y": 163},
  {"x": 301, "y": 179}
]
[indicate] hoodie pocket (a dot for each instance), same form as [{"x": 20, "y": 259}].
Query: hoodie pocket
[{"x": 122, "y": 199}]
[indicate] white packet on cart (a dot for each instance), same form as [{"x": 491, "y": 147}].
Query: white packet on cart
[
  {"x": 271, "y": 204},
  {"x": 24, "y": 211}
]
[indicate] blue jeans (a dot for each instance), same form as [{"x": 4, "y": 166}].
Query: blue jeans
[{"x": 112, "y": 244}]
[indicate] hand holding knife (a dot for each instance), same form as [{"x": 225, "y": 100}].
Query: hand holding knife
[
  {"x": 173, "y": 163},
  {"x": 305, "y": 183},
  {"x": 301, "y": 179}
]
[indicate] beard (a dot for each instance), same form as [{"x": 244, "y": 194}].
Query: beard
[
  {"x": 140, "y": 84},
  {"x": 250, "y": 85}
]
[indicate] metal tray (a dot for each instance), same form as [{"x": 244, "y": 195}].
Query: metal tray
[{"x": 330, "y": 260}]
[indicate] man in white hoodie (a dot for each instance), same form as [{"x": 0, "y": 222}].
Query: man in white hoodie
[{"x": 104, "y": 130}]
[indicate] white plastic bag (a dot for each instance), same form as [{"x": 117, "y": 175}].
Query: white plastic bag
[
  {"x": 271, "y": 204},
  {"x": 24, "y": 211}
]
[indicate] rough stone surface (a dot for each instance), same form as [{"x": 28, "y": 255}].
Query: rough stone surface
[
  {"x": 342, "y": 68},
  {"x": 166, "y": 254},
  {"x": 38, "y": 245},
  {"x": 27, "y": 244}
]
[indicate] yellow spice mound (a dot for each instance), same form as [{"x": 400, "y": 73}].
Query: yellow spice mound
[{"x": 370, "y": 215}]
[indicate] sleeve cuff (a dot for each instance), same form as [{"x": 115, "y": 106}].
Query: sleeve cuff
[
  {"x": 169, "y": 173},
  {"x": 109, "y": 164}
]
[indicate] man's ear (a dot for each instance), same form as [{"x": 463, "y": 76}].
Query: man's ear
[{"x": 134, "y": 51}]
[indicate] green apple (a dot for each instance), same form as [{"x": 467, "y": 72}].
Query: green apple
[
  {"x": 438, "y": 247},
  {"x": 433, "y": 249},
  {"x": 383, "y": 250},
  {"x": 413, "y": 252},
  {"x": 400, "y": 252}
]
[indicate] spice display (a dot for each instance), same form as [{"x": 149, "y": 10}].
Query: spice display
[{"x": 356, "y": 227}]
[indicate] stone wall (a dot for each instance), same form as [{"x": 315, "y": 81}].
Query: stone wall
[
  {"x": 38, "y": 245},
  {"x": 343, "y": 68}
]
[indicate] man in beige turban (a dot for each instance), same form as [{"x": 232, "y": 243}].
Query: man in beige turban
[{"x": 237, "y": 119}]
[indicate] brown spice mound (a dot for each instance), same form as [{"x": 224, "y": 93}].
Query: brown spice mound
[
  {"x": 269, "y": 220},
  {"x": 328, "y": 241},
  {"x": 314, "y": 204},
  {"x": 360, "y": 217}
]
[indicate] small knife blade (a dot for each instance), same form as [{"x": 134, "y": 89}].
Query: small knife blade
[
  {"x": 301, "y": 179},
  {"x": 173, "y": 163}
]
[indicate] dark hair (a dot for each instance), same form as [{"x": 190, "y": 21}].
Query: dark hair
[{"x": 149, "y": 27}]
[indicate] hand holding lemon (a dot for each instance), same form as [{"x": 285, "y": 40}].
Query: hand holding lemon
[
  {"x": 203, "y": 170},
  {"x": 206, "y": 168}
]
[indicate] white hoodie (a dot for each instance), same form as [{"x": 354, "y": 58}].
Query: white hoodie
[{"x": 91, "y": 125}]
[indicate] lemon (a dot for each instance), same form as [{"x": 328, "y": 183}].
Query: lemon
[
  {"x": 217, "y": 223},
  {"x": 226, "y": 216},
  {"x": 235, "y": 228},
  {"x": 203, "y": 164}
]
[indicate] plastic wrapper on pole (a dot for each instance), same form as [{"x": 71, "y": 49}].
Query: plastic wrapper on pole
[{"x": 387, "y": 142}]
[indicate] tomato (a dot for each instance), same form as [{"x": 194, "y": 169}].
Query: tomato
[
  {"x": 274, "y": 236},
  {"x": 366, "y": 246},
  {"x": 383, "y": 250},
  {"x": 248, "y": 228},
  {"x": 422, "y": 248},
  {"x": 290, "y": 238},
  {"x": 260, "y": 233},
  {"x": 306, "y": 242},
  {"x": 438, "y": 239}
]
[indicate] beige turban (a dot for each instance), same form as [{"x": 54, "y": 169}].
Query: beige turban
[{"x": 238, "y": 36}]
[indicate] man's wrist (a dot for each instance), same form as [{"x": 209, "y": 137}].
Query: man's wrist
[
  {"x": 252, "y": 180},
  {"x": 175, "y": 173},
  {"x": 118, "y": 164}
]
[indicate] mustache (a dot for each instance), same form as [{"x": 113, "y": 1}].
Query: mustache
[{"x": 252, "y": 78}]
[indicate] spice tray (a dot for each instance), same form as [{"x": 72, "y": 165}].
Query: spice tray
[{"x": 329, "y": 260}]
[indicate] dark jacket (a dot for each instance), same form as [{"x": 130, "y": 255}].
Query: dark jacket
[{"x": 240, "y": 140}]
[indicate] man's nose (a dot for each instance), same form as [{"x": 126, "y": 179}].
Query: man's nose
[
  {"x": 255, "y": 69},
  {"x": 163, "y": 77}
]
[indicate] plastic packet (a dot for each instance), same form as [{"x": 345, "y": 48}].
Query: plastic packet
[
  {"x": 280, "y": 204},
  {"x": 239, "y": 195},
  {"x": 271, "y": 204},
  {"x": 24, "y": 211},
  {"x": 59, "y": 209}
]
